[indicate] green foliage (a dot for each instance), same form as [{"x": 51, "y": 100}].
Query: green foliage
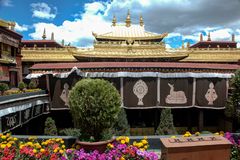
[
  {"x": 50, "y": 127},
  {"x": 121, "y": 127},
  {"x": 21, "y": 86},
  {"x": 70, "y": 132},
  {"x": 234, "y": 98},
  {"x": 166, "y": 126},
  {"x": 3, "y": 88},
  {"x": 32, "y": 85},
  {"x": 235, "y": 153},
  {"x": 94, "y": 105}
]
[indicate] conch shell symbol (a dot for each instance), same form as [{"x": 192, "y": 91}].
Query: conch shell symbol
[{"x": 140, "y": 89}]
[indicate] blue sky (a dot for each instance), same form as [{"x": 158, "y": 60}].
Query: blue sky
[{"x": 75, "y": 20}]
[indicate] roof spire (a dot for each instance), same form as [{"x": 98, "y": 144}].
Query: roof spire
[
  {"x": 114, "y": 21},
  {"x": 52, "y": 36},
  {"x": 141, "y": 21},
  {"x": 44, "y": 34},
  {"x": 183, "y": 45},
  {"x": 209, "y": 36},
  {"x": 233, "y": 37},
  {"x": 128, "y": 19},
  {"x": 201, "y": 37},
  {"x": 63, "y": 42}
]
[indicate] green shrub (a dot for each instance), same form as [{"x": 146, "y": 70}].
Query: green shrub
[
  {"x": 50, "y": 127},
  {"x": 3, "y": 88},
  {"x": 70, "y": 132},
  {"x": 121, "y": 127},
  {"x": 32, "y": 85},
  {"x": 94, "y": 105},
  {"x": 21, "y": 86},
  {"x": 166, "y": 126}
]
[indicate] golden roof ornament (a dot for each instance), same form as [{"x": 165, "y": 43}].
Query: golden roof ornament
[
  {"x": 128, "y": 19},
  {"x": 114, "y": 21},
  {"x": 233, "y": 37},
  {"x": 183, "y": 45},
  {"x": 44, "y": 34},
  {"x": 188, "y": 44},
  {"x": 141, "y": 21},
  {"x": 63, "y": 42},
  {"x": 52, "y": 36},
  {"x": 209, "y": 36},
  {"x": 201, "y": 37}
]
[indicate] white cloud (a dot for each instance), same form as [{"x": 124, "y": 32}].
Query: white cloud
[
  {"x": 183, "y": 19},
  {"x": 78, "y": 31},
  {"x": 43, "y": 11},
  {"x": 238, "y": 45},
  {"x": 6, "y": 3},
  {"x": 21, "y": 28}
]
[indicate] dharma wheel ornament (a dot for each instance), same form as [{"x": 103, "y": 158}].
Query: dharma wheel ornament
[{"x": 140, "y": 89}]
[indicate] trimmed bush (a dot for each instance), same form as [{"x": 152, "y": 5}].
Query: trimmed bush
[
  {"x": 166, "y": 126},
  {"x": 121, "y": 127},
  {"x": 94, "y": 105},
  {"x": 21, "y": 86},
  {"x": 3, "y": 88},
  {"x": 70, "y": 132},
  {"x": 50, "y": 127},
  {"x": 32, "y": 85}
]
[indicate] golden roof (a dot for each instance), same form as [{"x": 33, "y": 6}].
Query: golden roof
[
  {"x": 134, "y": 32},
  {"x": 213, "y": 55},
  {"x": 47, "y": 55},
  {"x": 130, "y": 53},
  {"x": 7, "y": 24}
]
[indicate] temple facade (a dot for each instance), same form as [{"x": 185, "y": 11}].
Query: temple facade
[
  {"x": 192, "y": 80},
  {"x": 10, "y": 54}
]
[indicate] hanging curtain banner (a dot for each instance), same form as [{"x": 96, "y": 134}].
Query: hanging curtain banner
[
  {"x": 176, "y": 92},
  {"x": 211, "y": 93},
  {"x": 140, "y": 92}
]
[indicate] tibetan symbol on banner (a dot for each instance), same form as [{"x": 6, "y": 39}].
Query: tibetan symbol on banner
[
  {"x": 175, "y": 97},
  {"x": 64, "y": 95},
  {"x": 140, "y": 89},
  {"x": 211, "y": 94}
]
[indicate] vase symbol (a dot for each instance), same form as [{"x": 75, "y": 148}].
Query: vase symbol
[
  {"x": 64, "y": 95},
  {"x": 211, "y": 94},
  {"x": 140, "y": 89}
]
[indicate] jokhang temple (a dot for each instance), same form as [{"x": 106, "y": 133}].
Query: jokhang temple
[{"x": 192, "y": 80}]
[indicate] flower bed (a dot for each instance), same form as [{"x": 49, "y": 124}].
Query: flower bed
[
  {"x": 54, "y": 149},
  {"x": 235, "y": 140}
]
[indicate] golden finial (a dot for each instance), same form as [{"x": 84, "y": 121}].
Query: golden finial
[
  {"x": 183, "y": 45},
  {"x": 141, "y": 21},
  {"x": 201, "y": 37},
  {"x": 209, "y": 36},
  {"x": 52, "y": 36},
  {"x": 233, "y": 37},
  {"x": 44, "y": 34},
  {"x": 128, "y": 19},
  {"x": 188, "y": 44},
  {"x": 114, "y": 21}
]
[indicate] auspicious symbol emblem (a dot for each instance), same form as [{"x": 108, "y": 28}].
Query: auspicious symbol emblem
[
  {"x": 175, "y": 97},
  {"x": 64, "y": 95},
  {"x": 211, "y": 94},
  {"x": 140, "y": 89},
  {"x": 27, "y": 114},
  {"x": 11, "y": 121}
]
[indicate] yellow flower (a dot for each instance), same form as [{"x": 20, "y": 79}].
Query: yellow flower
[
  {"x": 3, "y": 146},
  {"x": 9, "y": 145},
  {"x": 122, "y": 158},
  {"x": 61, "y": 151},
  {"x": 145, "y": 147},
  {"x": 21, "y": 146},
  {"x": 216, "y": 133},
  {"x": 173, "y": 137},
  {"x": 62, "y": 141},
  {"x": 3, "y": 137},
  {"x": 127, "y": 139},
  {"x": 122, "y": 141},
  {"x": 55, "y": 150},
  {"x": 34, "y": 151},
  {"x": 63, "y": 146},
  {"x": 42, "y": 150},
  {"x": 15, "y": 139},
  {"x": 110, "y": 145},
  {"x": 197, "y": 134},
  {"x": 144, "y": 141}
]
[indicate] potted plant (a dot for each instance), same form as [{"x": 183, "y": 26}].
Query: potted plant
[
  {"x": 94, "y": 105},
  {"x": 3, "y": 88}
]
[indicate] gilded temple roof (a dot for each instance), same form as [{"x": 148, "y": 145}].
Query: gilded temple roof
[
  {"x": 135, "y": 32},
  {"x": 213, "y": 55},
  {"x": 47, "y": 55}
]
